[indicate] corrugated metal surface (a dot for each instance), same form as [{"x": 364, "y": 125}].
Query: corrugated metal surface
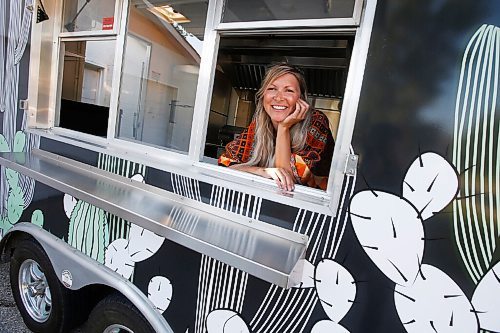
[
  {"x": 321, "y": 82},
  {"x": 323, "y": 59}
]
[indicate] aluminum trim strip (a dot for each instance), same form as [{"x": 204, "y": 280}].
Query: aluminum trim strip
[{"x": 316, "y": 200}]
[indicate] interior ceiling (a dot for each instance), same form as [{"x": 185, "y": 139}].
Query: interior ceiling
[
  {"x": 323, "y": 59},
  {"x": 194, "y": 10}
]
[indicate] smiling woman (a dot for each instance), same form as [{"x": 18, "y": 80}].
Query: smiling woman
[
  {"x": 251, "y": 100},
  {"x": 286, "y": 141}
]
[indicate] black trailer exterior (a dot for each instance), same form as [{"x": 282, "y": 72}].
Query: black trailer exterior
[{"x": 412, "y": 246}]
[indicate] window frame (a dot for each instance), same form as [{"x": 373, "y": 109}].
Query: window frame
[
  {"x": 362, "y": 33},
  {"x": 191, "y": 163}
]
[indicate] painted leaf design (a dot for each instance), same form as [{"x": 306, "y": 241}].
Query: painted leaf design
[
  {"x": 138, "y": 178},
  {"x": 160, "y": 292},
  {"x": 15, "y": 204},
  {"x": 12, "y": 177},
  {"x": 225, "y": 321},
  {"x": 391, "y": 233},
  {"x": 37, "y": 218},
  {"x": 486, "y": 300},
  {"x": 430, "y": 184},
  {"x": 143, "y": 243},
  {"x": 19, "y": 142},
  {"x": 434, "y": 303},
  {"x": 4, "y": 146},
  {"x": 118, "y": 259},
  {"x": 336, "y": 288},
  {"x": 4, "y": 226},
  {"x": 328, "y": 326}
]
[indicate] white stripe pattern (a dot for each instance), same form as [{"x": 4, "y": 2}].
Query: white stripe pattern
[
  {"x": 221, "y": 286},
  {"x": 17, "y": 30},
  {"x": 187, "y": 187},
  {"x": 236, "y": 202},
  {"x": 476, "y": 152}
]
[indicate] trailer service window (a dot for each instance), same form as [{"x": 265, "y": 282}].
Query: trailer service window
[
  {"x": 163, "y": 80},
  {"x": 241, "y": 64}
]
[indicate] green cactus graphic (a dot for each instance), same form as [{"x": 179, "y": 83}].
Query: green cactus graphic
[
  {"x": 88, "y": 230},
  {"x": 15, "y": 198},
  {"x": 37, "y": 218}
]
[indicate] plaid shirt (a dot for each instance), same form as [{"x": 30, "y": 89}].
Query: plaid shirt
[{"x": 310, "y": 165}]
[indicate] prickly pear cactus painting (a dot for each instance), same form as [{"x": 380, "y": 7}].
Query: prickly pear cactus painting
[
  {"x": 390, "y": 230},
  {"x": 434, "y": 302}
]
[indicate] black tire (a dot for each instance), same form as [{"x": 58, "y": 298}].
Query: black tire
[
  {"x": 115, "y": 311},
  {"x": 46, "y": 306}
]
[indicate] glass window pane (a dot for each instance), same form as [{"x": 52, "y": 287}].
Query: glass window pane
[
  {"x": 86, "y": 86},
  {"x": 88, "y": 15},
  {"x": 160, "y": 73},
  {"x": 267, "y": 10}
]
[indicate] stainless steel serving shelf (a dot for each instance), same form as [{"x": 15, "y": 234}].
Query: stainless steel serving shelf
[{"x": 260, "y": 249}]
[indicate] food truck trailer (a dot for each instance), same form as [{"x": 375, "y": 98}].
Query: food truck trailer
[{"x": 114, "y": 213}]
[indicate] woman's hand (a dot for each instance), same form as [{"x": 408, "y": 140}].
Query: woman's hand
[
  {"x": 299, "y": 114},
  {"x": 283, "y": 178}
]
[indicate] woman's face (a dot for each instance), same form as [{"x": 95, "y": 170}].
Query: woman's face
[{"x": 280, "y": 97}]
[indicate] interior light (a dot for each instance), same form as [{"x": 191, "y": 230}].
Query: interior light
[{"x": 170, "y": 15}]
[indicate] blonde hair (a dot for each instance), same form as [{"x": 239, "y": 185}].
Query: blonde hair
[{"x": 264, "y": 139}]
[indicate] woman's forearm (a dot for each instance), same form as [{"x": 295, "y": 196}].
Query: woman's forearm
[
  {"x": 283, "y": 178},
  {"x": 283, "y": 150},
  {"x": 256, "y": 170}
]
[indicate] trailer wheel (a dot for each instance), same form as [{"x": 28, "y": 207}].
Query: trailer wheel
[
  {"x": 115, "y": 313},
  {"x": 43, "y": 302}
]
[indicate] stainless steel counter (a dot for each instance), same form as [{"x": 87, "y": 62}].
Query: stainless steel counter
[{"x": 265, "y": 251}]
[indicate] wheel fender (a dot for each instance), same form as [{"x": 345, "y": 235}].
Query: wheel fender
[{"x": 75, "y": 270}]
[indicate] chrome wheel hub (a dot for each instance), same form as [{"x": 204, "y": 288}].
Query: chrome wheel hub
[{"x": 35, "y": 291}]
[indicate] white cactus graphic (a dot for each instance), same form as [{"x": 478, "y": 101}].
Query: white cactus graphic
[
  {"x": 434, "y": 303},
  {"x": 225, "y": 321},
  {"x": 486, "y": 300},
  {"x": 430, "y": 184},
  {"x": 391, "y": 233},
  {"x": 328, "y": 326},
  {"x": 160, "y": 292},
  {"x": 143, "y": 243},
  {"x": 335, "y": 287},
  {"x": 307, "y": 280},
  {"x": 118, "y": 258}
]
